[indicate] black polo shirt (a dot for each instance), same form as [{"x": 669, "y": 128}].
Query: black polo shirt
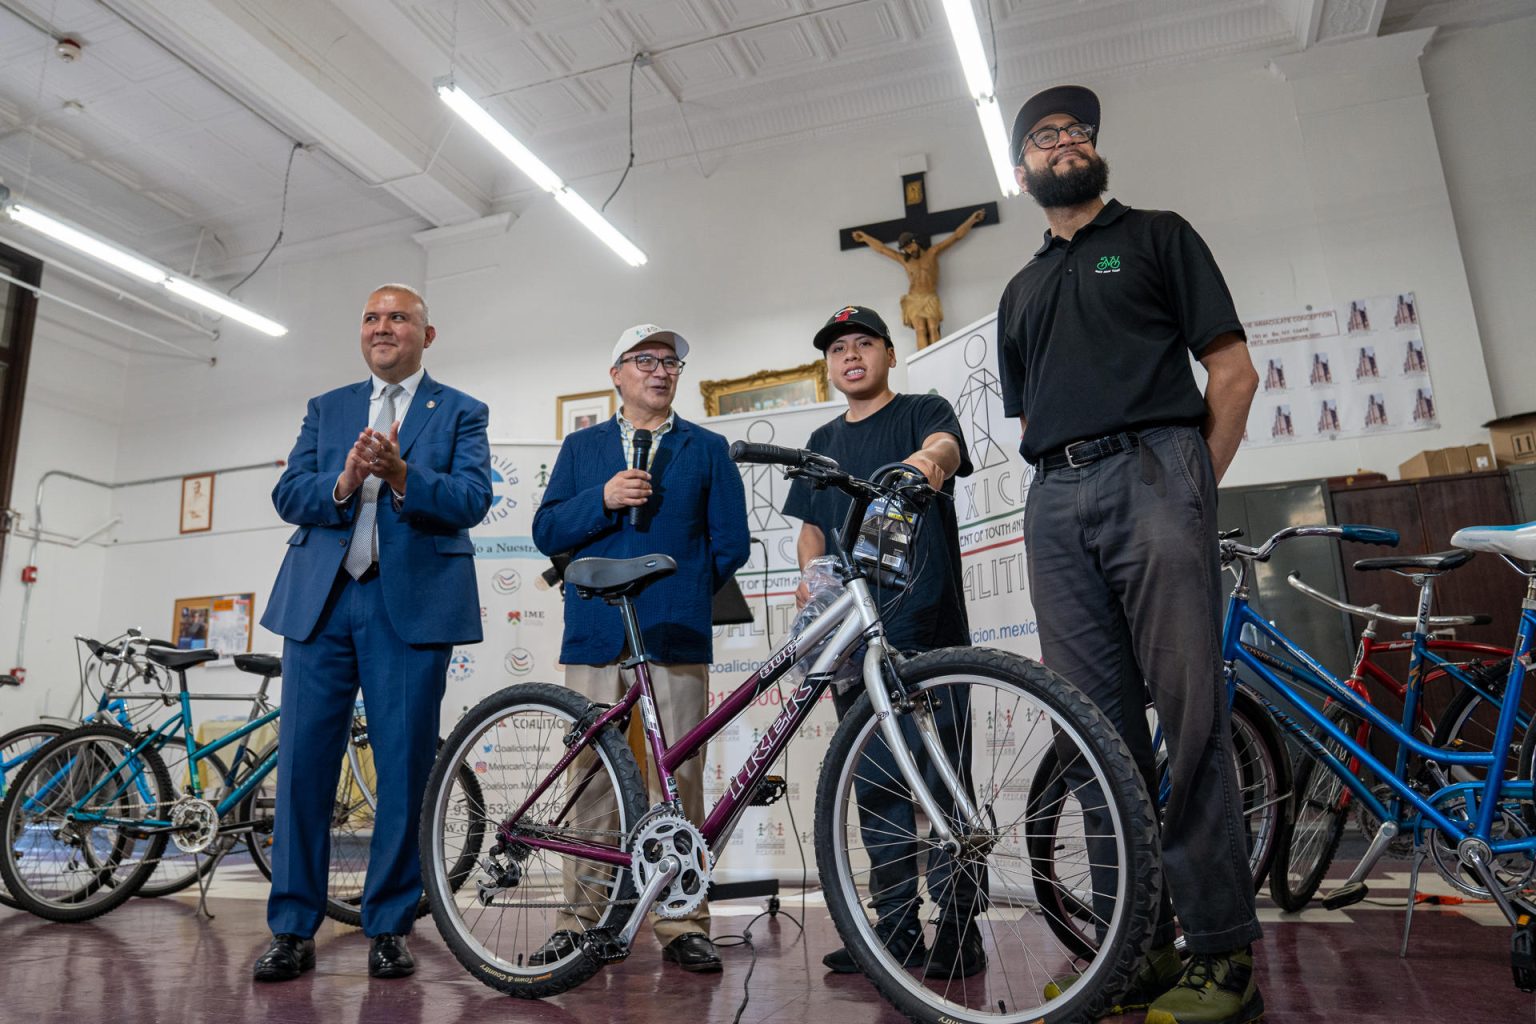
[{"x": 1094, "y": 334}]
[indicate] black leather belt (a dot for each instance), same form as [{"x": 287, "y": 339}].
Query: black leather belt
[{"x": 1083, "y": 453}]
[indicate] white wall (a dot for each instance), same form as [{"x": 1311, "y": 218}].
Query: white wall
[
  {"x": 1311, "y": 185},
  {"x": 1482, "y": 93}
]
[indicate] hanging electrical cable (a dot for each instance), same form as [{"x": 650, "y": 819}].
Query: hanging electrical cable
[
  {"x": 634, "y": 63},
  {"x": 282, "y": 222}
]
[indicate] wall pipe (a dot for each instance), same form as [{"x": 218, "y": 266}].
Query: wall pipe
[
  {"x": 35, "y": 290},
  {"x": 37, "y": 526}
]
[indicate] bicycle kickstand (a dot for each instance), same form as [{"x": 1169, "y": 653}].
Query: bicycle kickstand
[
  {"x": 1419, "y": 853},
  {"x": 203, "y": 881}
]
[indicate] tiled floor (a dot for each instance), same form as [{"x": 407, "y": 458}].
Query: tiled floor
[{"x": 158, "y": 961}]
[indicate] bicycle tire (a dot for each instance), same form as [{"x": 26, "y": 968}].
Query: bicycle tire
[
  {"x": 1318, "y": 814},
  {"x": 95, "y": 877},
  {"x": 259, "y": 807},
  {"x": 177, "y": 871},
  {"x": 344, "y": 893},
  {"x": 1465, "y": 724},
  {"x": 16, "y": 746},
  {"x": 1026, "y": 707},
  {"x": 1264, "y": 778},
  {"x": 511, "y": 740}
]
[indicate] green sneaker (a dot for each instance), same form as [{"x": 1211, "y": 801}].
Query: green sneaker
[
  {"x": 1158, "y": 973},
  {"x": 1216, "y": 989}
]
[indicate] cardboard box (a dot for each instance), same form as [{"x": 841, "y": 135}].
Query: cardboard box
[
  {"x": 1514, "y": 438},
  {"x": 1456, "y": 460},
  {"x": 1480, "y": 458},
  {"x": 1429, "y": 462}
]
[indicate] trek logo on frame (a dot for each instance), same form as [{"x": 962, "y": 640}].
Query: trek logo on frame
[{"x": 1108, "y": 265}]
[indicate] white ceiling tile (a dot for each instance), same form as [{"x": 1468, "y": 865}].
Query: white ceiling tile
[
  {"x": 137, "y": 114},
  {"x": 587, "y": 44},
  {"x": 133, "y": 56},
  {"x": 741, "y": 13},
  {"x": 194, "y": 97},
  {"x": 610, "y": 87},
  {"x": 509, "y": 63},
  {"x": 780, "y": 49},
  {"x": 543, "y": 12},
  {"x": 696, "y": 67},
  {"x": 662, "y": 23},
  {"x": 860, "y": 30},
  {"x": 548, "y": 106}
]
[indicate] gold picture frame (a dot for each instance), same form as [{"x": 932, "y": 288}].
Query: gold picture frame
[
  {"x": 588, "y": 409},
  {"x": 766, "y": 390},
  {"x": 197, "y": 503}
]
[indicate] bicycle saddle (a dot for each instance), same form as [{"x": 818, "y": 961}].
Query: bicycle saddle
[
  {"x": 1514, "y": 541},
  {"x": 259, "y": 664},
  {"x": 177, "y": 660},
  {"x": 617, "y": 577},
  {"x": 1443, "y": 561}
]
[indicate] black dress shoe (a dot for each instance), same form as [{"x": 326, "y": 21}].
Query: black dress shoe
[
  {"x": 388, "y": 957},
  {"x": 286, "y": 957},
  {"x": 692, "y": 952},
  {"x": 556, "y": 948}
]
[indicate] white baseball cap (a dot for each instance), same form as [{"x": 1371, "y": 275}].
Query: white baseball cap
[{"x": 641, "y": 333}]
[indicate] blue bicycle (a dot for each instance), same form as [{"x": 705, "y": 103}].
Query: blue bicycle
[{"x": 1476, "y": 828}]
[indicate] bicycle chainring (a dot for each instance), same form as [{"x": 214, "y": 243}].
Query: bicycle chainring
[
  {"x": 194, "y": 824},
  {"x": 1514, "y": 871},
  {"x": 667, "y": 834}
]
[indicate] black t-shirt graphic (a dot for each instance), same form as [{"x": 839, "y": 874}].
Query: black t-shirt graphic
[{"x": 931, "y": 611}]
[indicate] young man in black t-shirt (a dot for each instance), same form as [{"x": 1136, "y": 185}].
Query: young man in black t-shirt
[
  {"x": 880, "y": 428},
  {"x": 1095, "y": 336}
]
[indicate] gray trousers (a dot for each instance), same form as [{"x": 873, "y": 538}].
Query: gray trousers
[{"x": 1125, "y": 578}]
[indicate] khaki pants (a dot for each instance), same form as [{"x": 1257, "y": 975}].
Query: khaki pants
[{"x": 682, "y": 697}]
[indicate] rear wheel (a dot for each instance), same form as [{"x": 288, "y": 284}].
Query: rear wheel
[
  {"x": 81, "y": 819},
  {"x": 522, "y": 894},
  {"x": 1000, "y": 719},
  {"x": 1319, "y": 811}
]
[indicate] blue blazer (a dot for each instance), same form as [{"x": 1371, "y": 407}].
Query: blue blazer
[
  {"x": 697, "y": 514},
  {"x": 426, "y": 559}
]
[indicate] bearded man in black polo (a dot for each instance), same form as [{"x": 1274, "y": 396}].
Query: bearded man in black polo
[{"x": 1095, "y": 338}]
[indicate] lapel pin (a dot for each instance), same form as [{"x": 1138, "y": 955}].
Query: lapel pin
[{"x": 432, "y": 404}]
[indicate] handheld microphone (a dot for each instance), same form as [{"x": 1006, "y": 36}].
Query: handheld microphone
[{"x": 642, "y": 445}]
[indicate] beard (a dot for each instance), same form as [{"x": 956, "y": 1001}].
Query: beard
[{"x": 1069, "y": 188}]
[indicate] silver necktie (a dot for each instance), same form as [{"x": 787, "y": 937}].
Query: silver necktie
[{"x": 364, "y": 550}]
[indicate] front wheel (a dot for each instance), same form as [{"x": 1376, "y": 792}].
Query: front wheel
[
  {"x": 985, "y": 954},
  {"x": 1319, "y": 810},
  {"x": 501, "y": 915},
  {"x": 15, "y": 747}
]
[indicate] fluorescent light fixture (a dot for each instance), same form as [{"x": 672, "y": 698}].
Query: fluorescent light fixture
[
  {"x": 978, "y": 79},
  {"x": 86, "y": 243},
  {"x": 136, "y": 266},
  {"x": 223, "y": 305},
  {"x": 480, "y": 119}
]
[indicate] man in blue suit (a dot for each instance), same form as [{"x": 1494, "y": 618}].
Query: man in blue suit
[
  {"x": 377, "y": 586},
  {"x": 691, "y": 506}
]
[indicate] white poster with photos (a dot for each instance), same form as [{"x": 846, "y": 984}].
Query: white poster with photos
[{"x": 1359, "y": 368}]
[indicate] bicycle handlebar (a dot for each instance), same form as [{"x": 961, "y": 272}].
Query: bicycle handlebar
[
  {"x": 1230, "y": 549},
  {"x": 825, "y": 472},
  {"x": 1374, "y": 611}
]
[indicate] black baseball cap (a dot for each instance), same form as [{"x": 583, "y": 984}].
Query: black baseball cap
[
  {"x": 1076, "y": 100},
  {"x": 852, "y": 318}
]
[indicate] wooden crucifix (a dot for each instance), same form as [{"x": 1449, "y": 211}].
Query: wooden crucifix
[{"x": 920, "y": 307}]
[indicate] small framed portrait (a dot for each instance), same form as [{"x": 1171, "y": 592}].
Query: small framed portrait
[
  {"x": 197, "y": 503},
  {"x": 577, "y": 412},
  {"x": 769, "y": 389}
]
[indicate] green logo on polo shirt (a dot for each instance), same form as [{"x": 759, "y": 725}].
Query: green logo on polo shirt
[{"x": 1108, "y": 265}]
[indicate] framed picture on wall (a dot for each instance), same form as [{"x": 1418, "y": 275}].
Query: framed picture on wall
[
  {"x": 220, "y": 622},
  {"x": 577, "y": 412},
  {"x": 197, "y": 503},
  {"x": 768, "y": 389}
]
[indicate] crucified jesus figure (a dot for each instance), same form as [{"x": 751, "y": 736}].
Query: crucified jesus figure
[{"x": 920, "y": 308}]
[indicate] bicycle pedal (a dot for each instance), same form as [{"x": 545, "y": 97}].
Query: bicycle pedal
[
  {"x": 770, "y": 791},
  {"x": 603, "y": 946},
  {"x": 1522, "y": 953},
  {"x": 1346, "y": 896}
]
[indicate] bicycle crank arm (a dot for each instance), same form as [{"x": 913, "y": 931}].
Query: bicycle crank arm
[
  {"x": 1354, "y": 890},
  {"x": 665, "y": 872}
]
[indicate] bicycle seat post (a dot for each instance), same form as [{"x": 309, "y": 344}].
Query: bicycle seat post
[
  {"x": 632, "y": 633},
  {"x": 1426, "y": 584}
]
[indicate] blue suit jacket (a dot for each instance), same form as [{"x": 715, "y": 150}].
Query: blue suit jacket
[
  {"x": 426, "y": 559},
  {"x": 697, "y": 514}
]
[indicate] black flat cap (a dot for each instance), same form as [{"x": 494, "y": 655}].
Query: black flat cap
[{"x": 1076, "y": 100}]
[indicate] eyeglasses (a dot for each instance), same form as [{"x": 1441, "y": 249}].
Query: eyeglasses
[
  {"x": 1049, "y": 137},
  {"x": 646, "y": 363}
]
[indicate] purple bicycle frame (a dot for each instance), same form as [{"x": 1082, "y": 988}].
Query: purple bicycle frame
[{"x": 668, "y": 758}]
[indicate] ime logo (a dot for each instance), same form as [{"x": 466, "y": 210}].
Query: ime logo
[{"x": 1108, "y": 265}]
